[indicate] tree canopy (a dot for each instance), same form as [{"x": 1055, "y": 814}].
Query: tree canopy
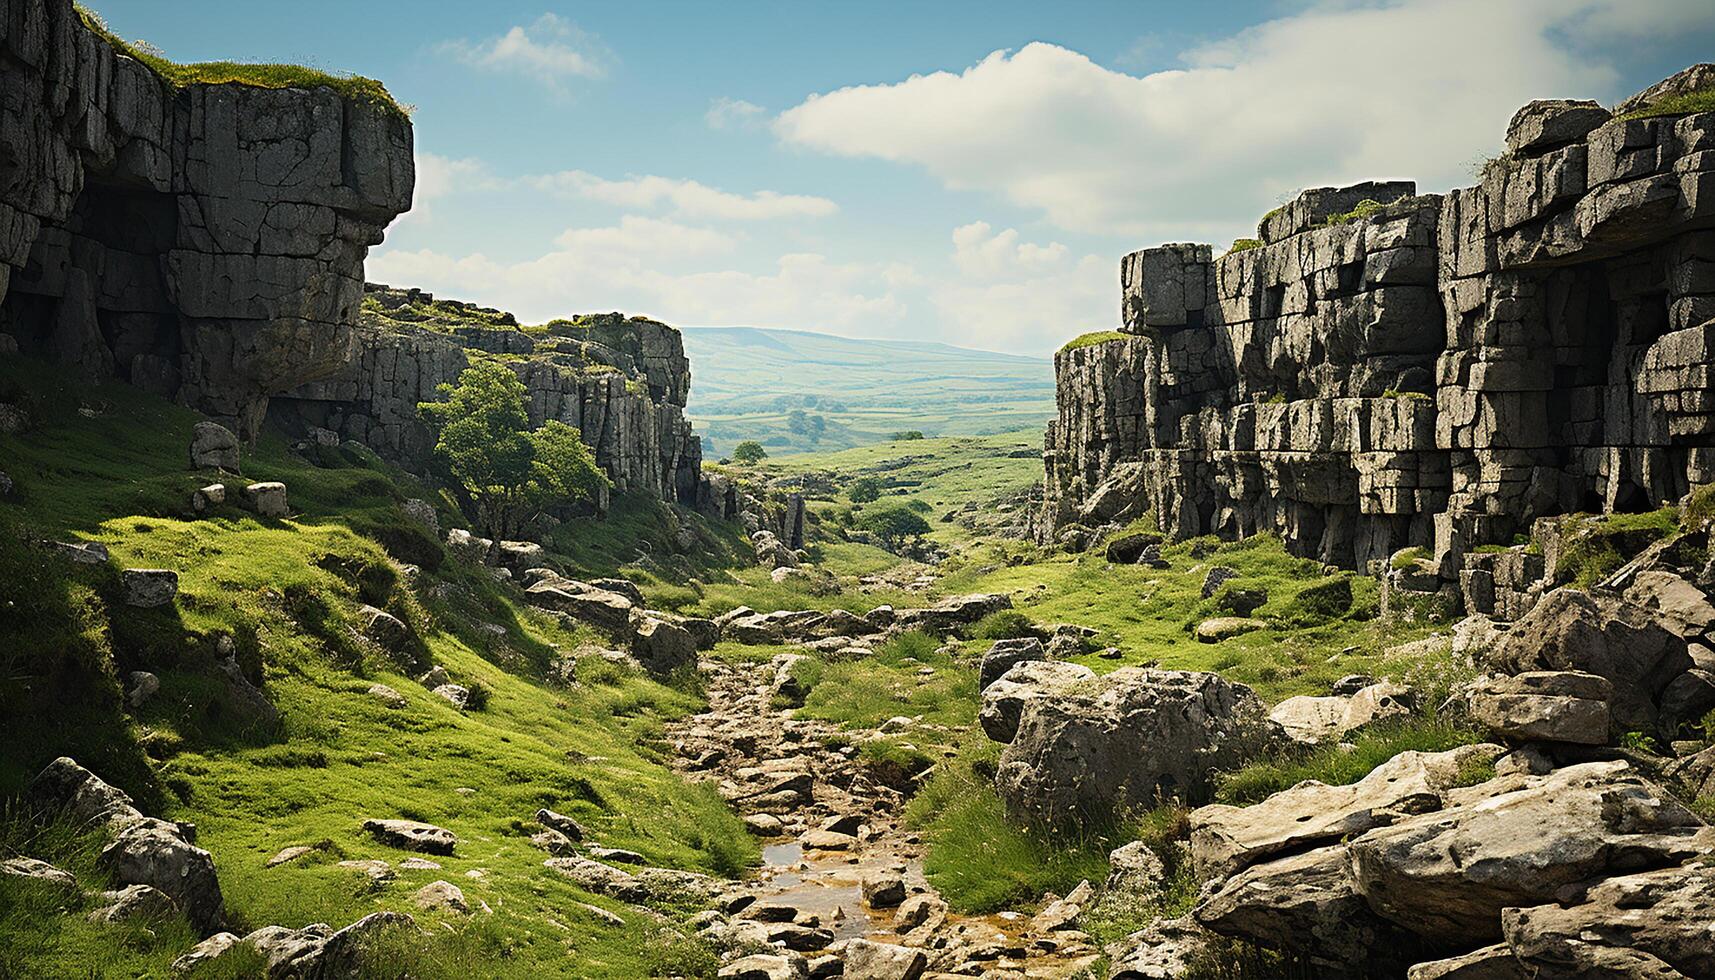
[
  {"x": 893, "y": 524},
  {"x": 863, "y": 490},
  {"x": 749, "y": 452},
  {"x": 504, "y": 472}
]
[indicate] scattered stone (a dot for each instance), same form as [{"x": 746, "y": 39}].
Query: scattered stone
[
  {"x": 147, "y": 588},
  {"x": 616, "y": 854},
  {"x": 41, "y": 872},
  {"x": 412, "y": 835},
  {"x": 289, "y": 854},
  {"x": 454, "y": 694},
  {"x": 141, "y": 687},
  {"x": 387, "y": 696},
  {"x": 266, "y": 499},
  {"x": 313, "y": 951},
  {"x": 419, "y": 864},
  {"x": 1218, "y": 575},
  {"x": 763, "y": 824},
  {"x": 1226, "y": 627},
  {"x": 1164, "y": 950},
  {"x": 81, "y": 552},
  {"x": 561, "y": 823},
  {"x": 765, "y": 966},
  {"x": 441, "y": 896},
  {"x": 378, "y": 872},
  {"x": 209, "y": 497},
  {"x": 157, "y": 853},
  {"x": 133, "y": 902},
  {"x": 213, "y": 446},
  {"x": 884, "y": 889},
  {"x": 1128, "y": 548}
]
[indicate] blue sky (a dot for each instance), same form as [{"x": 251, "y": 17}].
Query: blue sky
[{"x": 962, "y": 172}]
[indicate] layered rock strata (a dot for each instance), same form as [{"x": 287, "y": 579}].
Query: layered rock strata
[
  {"x": 205, "y": 241},
  {"x": 620, "y": 381},
  {"x": 1430, "y": 371}
]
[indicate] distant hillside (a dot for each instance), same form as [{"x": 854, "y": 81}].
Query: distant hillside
[{"x": 774, "y": 386}]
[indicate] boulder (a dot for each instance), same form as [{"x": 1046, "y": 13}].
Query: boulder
[
  {"x": 1494, "y": 962},
  {"x": 133, "y": 902},
  {"x": 1003, "y": 701},
  {"x": 1135, "y": 874},
  {"x": 441, "y": 896},
  {"x": 1128, "y": 548},
  {"x": 267, "y": 499},
  {"x": 1166, "y": 949},
  {"x": 868, "y": 960},
  {"x": 1226, "y": 839},
  {"x": 561, "y": 823},
  {"x": 157, "y": 853},
  {"x": 661, "y": 646},
  {"x": 884, "y": 889},
  {"x": 387, "y": 631},
  {"x": 208, "y": 498},
  {"x": 1127, "y": 740},
  {"x": 456, "y": 695},
  {"x": 1318, "y": 719},
  {"x": 607, "y": 611},
  {"x": 1545, "y": 124},
  {"x": 387, "y": 696},
  {"x": 1226, "y": 627},
  {"x": 80, "y": 796},
  {"x": 412, "y": 835},
  {"x": 81, "y": 552},
  {"x": 520, "y": 555},
  {"x": 1540, "y": 705},
  {"x": 423, "y": 512},
  {"x": 315, "y": 951},
  {"x": 1645, "y": 924},
  {"x": 1571, "y": 630},
  {"x": 1445, "y": 876},
  {"x": 1217, "y": 576},
  {"x": 141, "y": 686},
  {"x": 147, "y": 588},
  {"x": 214, "y": 446},
  {"x": 42, "y": 873},
  {"x": 1306, "y": 903},
  {"x": 950, "y": 614},
  {"x": 469, "y": 547},
  {"x": 765, "y": 966},
  {"x": 1003, "y": 654}
]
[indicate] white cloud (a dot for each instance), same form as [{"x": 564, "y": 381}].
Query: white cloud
[
  {"x": 725, "y": 113},
  {"x": 686, "y": 197},
  {"x": 1338, "y": 93},
  {"x": 665, "y": 270},
  {"x": 1020, "y": 296},
  {"x": 551, "y": 49},
  {"x": 438, "y": 177}
]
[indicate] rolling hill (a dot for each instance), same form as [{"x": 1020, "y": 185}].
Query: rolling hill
[{"x": 753, "y": 383}]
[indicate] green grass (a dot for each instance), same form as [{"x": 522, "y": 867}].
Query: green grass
[
  {"x": 1676, "y": 105},
  {"x": 178, "y": 75},
  {"x": 1339, "y": 766},
  {"x": 1244, "y": 245},
  {"x": 1364, "y": 209},
  {"x": 1092, "y": 339},
  {"x": 1597, "y": 545},
  {"x": 286, "y": 591},
  {"x": 865, "y": 693}
]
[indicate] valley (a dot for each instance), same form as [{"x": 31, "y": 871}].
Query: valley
[{"x": 1352, "y": 614}]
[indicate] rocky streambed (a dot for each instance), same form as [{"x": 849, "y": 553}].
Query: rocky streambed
[{"x": 842, "y": 889}]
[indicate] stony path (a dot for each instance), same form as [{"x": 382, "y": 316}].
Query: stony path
[{"x": 841, "y": 873}]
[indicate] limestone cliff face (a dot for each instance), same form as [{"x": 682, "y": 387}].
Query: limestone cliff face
[
  {"x": 205, "y": 242},
  {"x": 1438, "y": 371},
  {"x": 620, "y": 381}
]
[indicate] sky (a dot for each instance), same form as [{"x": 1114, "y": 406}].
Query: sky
[{"x": 965, "y": 172}]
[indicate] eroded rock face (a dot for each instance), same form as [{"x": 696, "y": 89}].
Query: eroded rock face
[
  {"x": 204, "y": 242},
  {"x": 1434, "y": 371},
  {"x": 1127, "y": 740}
]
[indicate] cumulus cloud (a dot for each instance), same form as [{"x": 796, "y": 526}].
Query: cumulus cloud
[
  {"x": 1019, "y": 296},
  {"x": 1334, "y": 94},
  {"x": 667, "y": 270},
  {"x": 725, "y": 113},
  {"x": 551, "y": 49},
  {"x": 686, "y": 197}
]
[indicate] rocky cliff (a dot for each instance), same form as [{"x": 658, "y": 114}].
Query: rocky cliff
[
  {"x": 202, "y": 241},
  {"x": 1382, "y": 370},
  {"x": 620, "y": 381}
]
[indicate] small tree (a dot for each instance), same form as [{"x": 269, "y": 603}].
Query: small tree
[
  {"x": 864, "y": 490},
  {"x": 907, "y": 435},
  {"x": 504, "y": 473},
  {"x": 749, "y": 453},
  {"x": 893, "y": 525}
]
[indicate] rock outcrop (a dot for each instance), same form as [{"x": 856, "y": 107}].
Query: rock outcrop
[
  {"x": 202, "y": 241},
  {"x": 622, "y": 382},
  {"x": 1384, "y": 370}
]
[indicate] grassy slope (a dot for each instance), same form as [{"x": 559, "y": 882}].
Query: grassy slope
[{"x": 284, "y": 589}]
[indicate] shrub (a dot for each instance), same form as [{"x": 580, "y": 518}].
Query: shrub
[
  {"x": 478, "y": 697},
  {"x": 893, "y": 524},
  {"x": 1321, "y": 602},
  {"x": 864, "y": 490},
  {"x": 907, "y": 435},
  {"x": 1006, "y": 624}
]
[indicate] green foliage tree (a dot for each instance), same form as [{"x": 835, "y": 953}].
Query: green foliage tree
[
  {"x": 864, "y": 490},
  {"x": 907, "y": 435},
  {"x": 504, "y": 473},
  {"x": 893, "y": 524},
  {"x": 749, "y": 453}
]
